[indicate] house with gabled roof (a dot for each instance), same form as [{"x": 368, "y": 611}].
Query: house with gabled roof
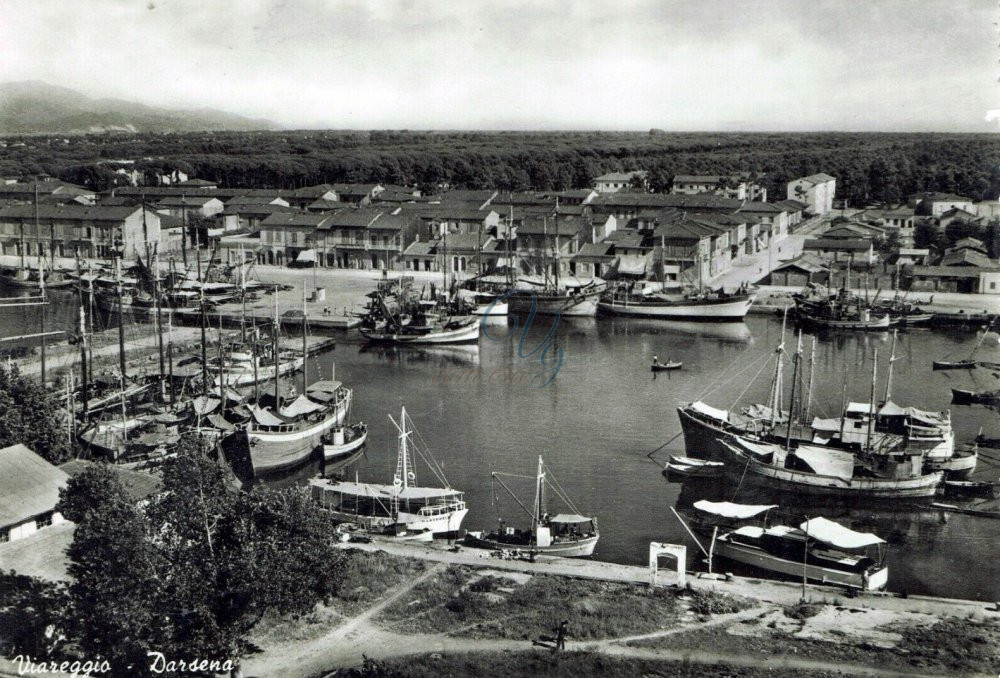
[
  {"x": 29, "y": 492},
  {"x": 283, "y": 235},
  {"x": 613, "y": 182},
  {"x": 741, "y": 185},
  {"x": 90, "y": 231},
  {"x": 815, "y": 190}
]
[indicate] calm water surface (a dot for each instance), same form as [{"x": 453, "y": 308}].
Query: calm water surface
[{"x": 605, "y": 412}]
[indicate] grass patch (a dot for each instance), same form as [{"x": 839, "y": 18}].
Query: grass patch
[
  {"x": 706, "y": 602},
  {"x": 962, "y": 644},
  {"x": 467, "y": 605},
  {"x": 366, "y": 577},
  {"x": 562, "y": 665},
  {"x": 803, "y": 611}
]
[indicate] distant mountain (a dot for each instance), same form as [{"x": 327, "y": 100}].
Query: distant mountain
[{"x": 37, "y": 107}]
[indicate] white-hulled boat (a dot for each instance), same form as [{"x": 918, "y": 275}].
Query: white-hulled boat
[
  {"x": 456, "y": 330},
  {"x": 276, "y": 439},
  {"x": 342, "y": 442},
  {"x": 566, "y": 534},
  {"x": 240, "y": 370},
  {"x": 820, "y": 549},
  {"x": 682, "y": 304},
  {"x": 402, "y": 503}
]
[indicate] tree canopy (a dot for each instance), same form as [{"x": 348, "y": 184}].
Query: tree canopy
[{"x": 30, "y": 415}]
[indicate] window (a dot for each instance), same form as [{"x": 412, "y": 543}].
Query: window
[
  {"x": 4, "y": 536},
  {"x": 993, "y": 285},
  {"x": 44, "y": 520}
]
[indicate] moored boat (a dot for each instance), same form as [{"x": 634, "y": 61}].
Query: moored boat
[
  {"x": 657, "y": 366},
  {"x": 682, "y": 468},
  {"x": 682, "y": 305},
  {"x": 566, "y": 534},
  {"x": 376, "y": 506},
  {"x": 340, "y": 443}
]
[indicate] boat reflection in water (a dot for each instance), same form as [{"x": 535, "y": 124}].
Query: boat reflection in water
[
  {"x": 737, "y": 332},
  {"x": 462, "y": 355}
]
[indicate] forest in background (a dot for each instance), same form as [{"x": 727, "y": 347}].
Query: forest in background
[{"x": 869, "y": 167}]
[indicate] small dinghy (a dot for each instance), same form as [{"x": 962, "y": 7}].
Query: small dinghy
[
  {"x": 954, "y": 365},
  {"x": 343, "y": 440},
  {"x": 688, "y": 467},
  {"x": 968, "y": 488},
  {"x": 663, "y": 367}
]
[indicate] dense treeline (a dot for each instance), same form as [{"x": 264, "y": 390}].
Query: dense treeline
[{"x": 869, "y": 167}]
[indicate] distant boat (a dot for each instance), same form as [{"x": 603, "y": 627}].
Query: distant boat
[
  {"x": 961, "y": 396},
  {"x": 565, "y": 534},
  {"x": 657, "y": 366},
  {"x": 685, "y": 304},
  {"x": 569, "y": 298},
  {"x": 402, "y": 503},
  {"x": 970, "y": 362}
]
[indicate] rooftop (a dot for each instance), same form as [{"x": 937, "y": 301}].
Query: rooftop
[{"x": 29, "y": 485}]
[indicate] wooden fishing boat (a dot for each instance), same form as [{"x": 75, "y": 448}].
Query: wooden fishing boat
[
  {"x": 961, "y": 396},
  {"x": 565, "y": 299},
  {"x": 375, "y": 506},
  {"x": 683, "y": 468},
  {"x": 819, "y": 549},
  {"x": 450, "y": 331},
  {"x": 688, "y": 305},
  {"x": 340, "y": 443},
  {"x": 831, "y": 475},
  {"x": 569, "y": 535},
  {"x": 864, "y": 321},
  {"x": 657, "y": 366}
]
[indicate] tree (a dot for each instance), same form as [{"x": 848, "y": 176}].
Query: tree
[
  {"x": 927, "y": 234},
  {"x": 30, "y": 415},
  {"x": 115, "y": 565}
]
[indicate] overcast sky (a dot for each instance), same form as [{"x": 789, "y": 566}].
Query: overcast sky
[{"x": 580, "y": 64}]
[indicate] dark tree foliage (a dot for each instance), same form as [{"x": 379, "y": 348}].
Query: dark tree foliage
[
  {"x": 869, "y": 167},
  {"x": 191, "y": 574},
  {"x": 30, "y": 611},
  {"x": 29, "y": 414}
]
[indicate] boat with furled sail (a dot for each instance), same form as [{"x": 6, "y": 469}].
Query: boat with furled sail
[
  {"x": 565, "y": 534},
  {"x": 402, "y": 503}
]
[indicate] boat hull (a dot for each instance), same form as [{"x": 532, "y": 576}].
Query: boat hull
[
  {"x": 580, "y": 548},
  {"x": 270, "y": 452},
  {"x": 938, "y": 365},
  {"x": 243, "y": 375},
  {"x": 338, "y": 453},
  {"x": 873, "y": 325},
  {"x": 468, "y": 332},
  {"x": 582, "y": 304},
  {"x": 733, "y": 310},
  {"x": 755, "y": 557},
  {"x": 443, "y": 523},
  {"x": 956, "y": 467}
]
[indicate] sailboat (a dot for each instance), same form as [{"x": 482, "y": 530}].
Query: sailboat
[
  {"x": 885, "y": 453},
  {"x": 681, "y": 302},
  {"x": 397, "y": 314},
  {"x": 566, "y": 534},
  {"x": 400, "y": 504},
  {"x": 572, "y": 297},
  {"x": 965, "y": 363},
  {"x": 288, "y": 431}
]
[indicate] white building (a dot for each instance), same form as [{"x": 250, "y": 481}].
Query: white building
[
  {"x": 618, "y": 181},
  {"x": 29, "y": 492},
  {"x": 816, "y": 191}
]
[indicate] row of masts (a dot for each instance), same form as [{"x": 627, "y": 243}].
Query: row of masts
[{"x": 799, "y": 407}]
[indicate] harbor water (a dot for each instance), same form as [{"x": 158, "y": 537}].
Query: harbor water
[{"x": 605, "y": 424}]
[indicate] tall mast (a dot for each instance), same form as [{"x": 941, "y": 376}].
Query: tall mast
[
  {"x": 243, "y": 299},
  {"x": 184, "y": 228},
  {"x": 444, "y": 255},
  {"x": 871, "y": 413},
  {"x": 83, "y": 362},
  {"x": 892, "y": 359},
  {"x": 774, "y": 401},
  {"x": 170, "y": 354},
  {"x": 539, "y": 494},
  {"x": 791, "y": 396},
  {"x": 305, "y": 341},
  {"x": 38, "y": 236},
  {"x": 663, "y": 264},
  {"x": 274, "y": 348},
  {"x": 121, "y": 319},
  {"x": 204, "y": 341},
  {"x": 41, "y": 316},
  {"x": 809, "y": 391},
  {"x": 159, "y": 320},
  {"x": 545, "y": 251},
  {"x": 558, "y": 254},
  {"x": 510, "y": 233},
  {"x": 222, "y": 369}
]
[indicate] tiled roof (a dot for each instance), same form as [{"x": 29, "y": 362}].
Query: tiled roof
[
  {"x": 186, "y": 201},
  {"x": 71, "y": 212},
  {"x": 595, "y": 249},
  {"x": 620, "y": 176},
  {"x": 296, "y": 219},
  {"x": 539, "y": 225},
  {"x": 138, "y": 484},
  {"x": 845, "y": 244},
  {"x": 420, "y": 248},
  {"x": 29, "y": 485}
]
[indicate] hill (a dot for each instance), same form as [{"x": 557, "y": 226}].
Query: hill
[{"x": 31, "y": 107}]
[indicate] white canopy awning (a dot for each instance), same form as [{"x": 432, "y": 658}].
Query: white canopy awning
[
  {"x": 826, "y": 461},
  {"x": 299, "y": 406},
  {"x": 384, "y": 492},
  {"x": 631, "y": 264},
  {"x": 730, "y": 510},
  {"x": 265, "y": 417},
  {"x": 569, "y": 518},
  {"x": 203, "y": 405},
  {"x": 306, "y": 257},
  {"x": 837, "y": 535}
]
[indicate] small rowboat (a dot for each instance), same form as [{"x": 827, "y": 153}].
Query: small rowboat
[
  {"x": 663, "y": 367},
  {"x": 961, "y": 396},
  {"x": 688, "y": 467},
  {"x": 968, "y": 488},
  {"x": 954, "y": 365}
]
